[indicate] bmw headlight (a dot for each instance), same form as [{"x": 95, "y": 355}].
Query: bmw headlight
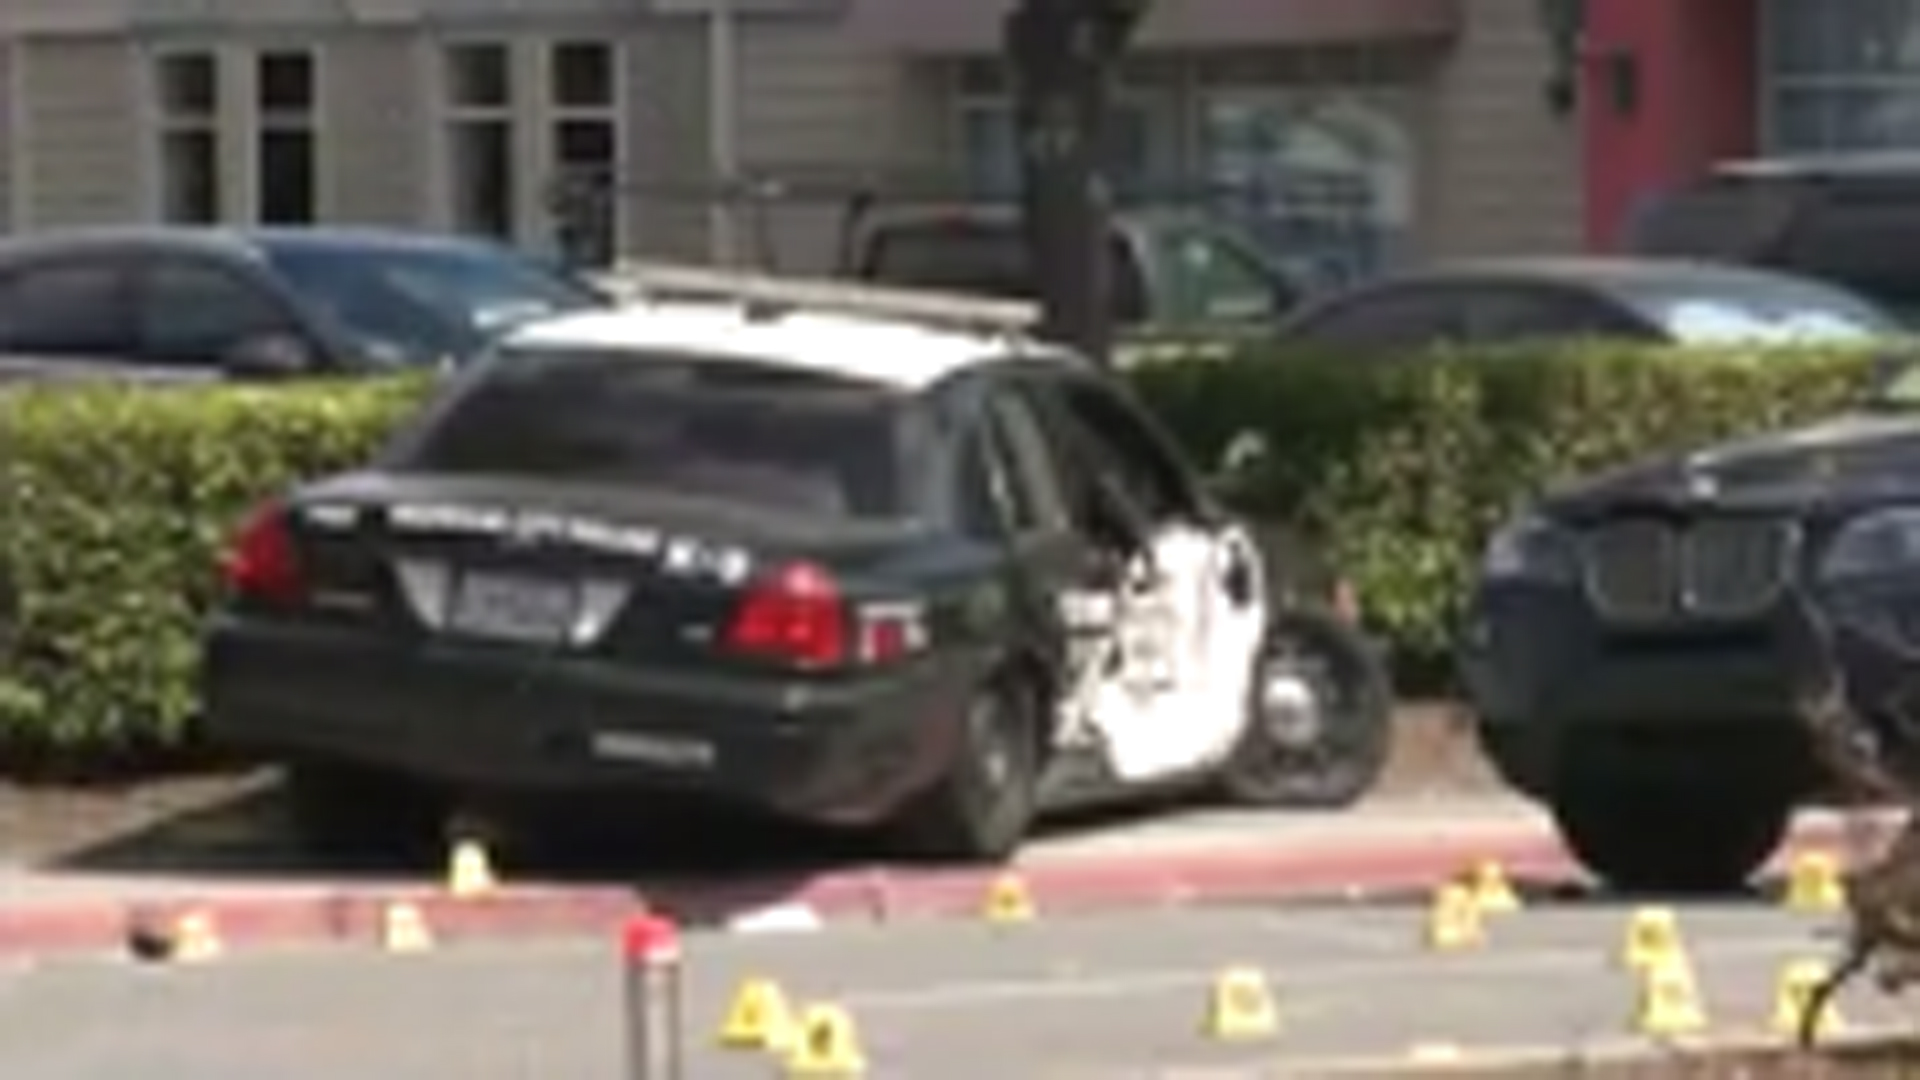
[
  {"x": 1874, "y": 545},
  {"x": 1529, "y": 548}
]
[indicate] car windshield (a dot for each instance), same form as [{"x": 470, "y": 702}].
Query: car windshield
[
  {"x": 424, "y": 304},
  {"x": 733, "y": 431},
  {"x": 1772, "y": 312},
  {"x": 983, "y": 257}
]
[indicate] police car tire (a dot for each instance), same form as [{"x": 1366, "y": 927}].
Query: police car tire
[
  {"x": 968, "y": 815},
  {"x": 1694, "y": 837},
  {"x": 1345, "y": 762},
  {"x": 341, "y": 811}
]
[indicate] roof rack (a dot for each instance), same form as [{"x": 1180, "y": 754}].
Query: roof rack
[{"x": 771, "y": 296}]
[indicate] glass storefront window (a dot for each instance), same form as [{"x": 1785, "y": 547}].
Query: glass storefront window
[
  {"x": 1322, "y": 183},
  {"x": 990, "y": 152},
  {"x": 1840, "y": 75}
]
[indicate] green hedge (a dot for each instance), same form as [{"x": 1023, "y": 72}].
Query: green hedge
[
  {"x": 114, "y": 507},
  {"x": 1399, "y": 470},
  {"x": 114, "y": 503}
]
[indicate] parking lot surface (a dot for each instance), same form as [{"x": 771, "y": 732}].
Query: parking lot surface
[{"x": 1120, "y": 995}]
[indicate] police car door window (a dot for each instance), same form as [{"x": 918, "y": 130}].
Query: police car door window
[
  {"x": 995, "y": 502},
  {"x": 1034, "y": 469},
  {"x": 1096, "y": 432}
]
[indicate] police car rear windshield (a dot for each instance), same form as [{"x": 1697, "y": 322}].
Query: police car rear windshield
[{"x": 733, "y": 431}]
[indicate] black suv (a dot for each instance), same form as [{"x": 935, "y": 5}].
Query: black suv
[
  {"x": 1648, "y": 650},
  {"x": 1852, "y": 219}
]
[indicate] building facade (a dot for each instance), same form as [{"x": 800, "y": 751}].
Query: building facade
[
  {"x": 1345, "y": 135},
  {"x": 1673, "y": 87}
]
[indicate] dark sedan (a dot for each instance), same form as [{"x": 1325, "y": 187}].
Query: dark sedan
[
  {"x": 1655, "y": 300},
  {"x": 183, "y": 302}
]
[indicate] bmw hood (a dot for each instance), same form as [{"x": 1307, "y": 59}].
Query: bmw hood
[{"x": 1858, "y": 457}]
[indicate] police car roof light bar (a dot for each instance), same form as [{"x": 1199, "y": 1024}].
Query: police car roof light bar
[{"x": 771, "y": 296}]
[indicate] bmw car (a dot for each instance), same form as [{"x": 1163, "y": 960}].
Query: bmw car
[
  {"x": 853, "y": 569},
  {"x": 1648, "y": 650}
]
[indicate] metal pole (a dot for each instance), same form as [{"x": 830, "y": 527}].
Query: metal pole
[
  {"x": 723, "y": 123},
  {"x": 650, "y": 953}
]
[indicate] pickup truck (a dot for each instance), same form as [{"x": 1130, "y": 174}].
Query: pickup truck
[{"x": 1178, "y": 274}]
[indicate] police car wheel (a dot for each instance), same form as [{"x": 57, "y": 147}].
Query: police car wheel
[
  {"x": 981, "y": 809},
  {"x": 1320, "y": 717}
]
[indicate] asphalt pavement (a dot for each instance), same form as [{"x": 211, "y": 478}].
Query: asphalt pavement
[{"x": 1119, "y": 995}]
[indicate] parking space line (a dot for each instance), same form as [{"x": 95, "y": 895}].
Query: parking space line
[
  {"x": 994, "y": 992},
  {"x": 1334, "y": 928}
]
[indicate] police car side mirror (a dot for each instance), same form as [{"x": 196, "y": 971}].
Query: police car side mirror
[{"x": 1243, "y": 459}]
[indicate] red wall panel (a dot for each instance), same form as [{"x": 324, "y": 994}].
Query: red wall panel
[{"x": 1697, "y": 100}]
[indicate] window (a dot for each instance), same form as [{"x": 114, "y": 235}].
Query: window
[
  {"x": 188, "y": 95},
  {"x": 237, "y": 135},
  {"x": 993, "y": 502},
  {"x": 582, "y": 75},
  {"x": 1521, "y": 312},
  {"x": 1209, "y": 279},
  {"x": 1840, "y": 76},
  {"x": 990, "y": 147},
  {"x": 1097, "y": 436},
  {"x": 286, "y": 165},
  {"x": 480, "y": 139},
  {"x": 986, "y": 256},
  {"x": 584, "y": 134},
  {"x": 69, "y": 308},
  {"x": 740, "y": 433},
  {"x": 1008, "y": 486},
  {"x": 480, "y": 76},
  {"x": 1321, "y": 180},
  {"x": 1026, "y": 443},
  {"x": 422, "y": 305},
  {"x": 1385, "y": 318},
  {"x": 193, "y": 314}
]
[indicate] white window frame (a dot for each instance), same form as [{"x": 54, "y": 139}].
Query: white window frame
[
  {"x": 160, "y": 124},
  {"x": 259, "y": 121},
  {"x": 612, "y": 112},
  {"x": 533, "y": 116},
  {"x": 236, "y": 123},
  {"x": 449, "y": 115}
]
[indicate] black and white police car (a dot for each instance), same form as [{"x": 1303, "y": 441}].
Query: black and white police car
[{"x": 836, "y": 553}]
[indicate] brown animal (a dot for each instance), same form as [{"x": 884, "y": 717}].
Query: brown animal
[
  {"x": 1883, "y": 896},
  {"x": 1883, "y": 906}
]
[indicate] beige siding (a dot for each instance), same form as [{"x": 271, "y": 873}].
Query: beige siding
[
  {"x": 373, "y": 153},
  {"x": 9, "y": 138},
  {"x": 666, "y": 142},
  {"x": 81, "y": 158},
  {"x": 809, "y": 98},
  {"x": 1505, "y": 172}
]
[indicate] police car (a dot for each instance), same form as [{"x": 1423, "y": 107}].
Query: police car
[{"x": 855, "y": 557}]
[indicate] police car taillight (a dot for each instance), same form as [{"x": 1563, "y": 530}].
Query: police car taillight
[
  {"x": 795, "y": 614},
  {"x": 261, "y": 563}
]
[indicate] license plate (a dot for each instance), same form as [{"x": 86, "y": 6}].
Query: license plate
[
  {"x": 513, "y": 608},
  {"x": 660, "y": 750}
]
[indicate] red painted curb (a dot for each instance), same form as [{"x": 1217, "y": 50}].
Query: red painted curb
[{"x": 1125, "y": 879}]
